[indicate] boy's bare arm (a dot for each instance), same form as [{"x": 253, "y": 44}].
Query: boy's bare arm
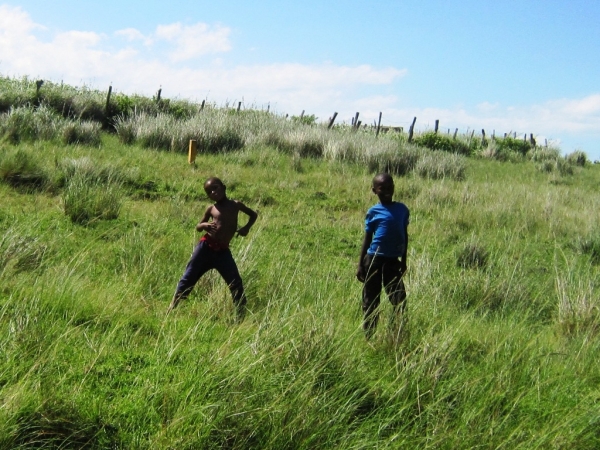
[
  {"x": 204, "y": 224},
  {"x": 243, "y": 231},
  {"x": 360, "y": 271}
]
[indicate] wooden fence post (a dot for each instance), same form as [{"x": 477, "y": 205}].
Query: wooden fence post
[
  {"x": 158, "y": 94},
  {"x": 411, "y": 130},
  {"x": 455, "y": 133},
  {"x": 378, "y": 125},
  {"x": 331, "y": 120},
  {"x": 239, "y": 106},
  {"x": 202, "y": 105},
  {"x": 193, "y": 150},
  {"x": 483, "y": 137},
  {"x": 437, "y": 124},
  {"x": 355, "y": 120},
  {"x": 108, "y": 100},
  {"x": 532, "y": 140}
]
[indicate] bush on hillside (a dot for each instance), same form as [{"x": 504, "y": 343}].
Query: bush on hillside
[
  {"x": 29, "y": 124},
  {"x": 85, "y": 133},
  {"x": 520, "y": 146},
  {"x": 590, "y": 245},
  {"x": 544, "y": 154},
  {"x": 577, "y": 158},
  {"x": 400, "y": 162},
  {"x": 438, "y": 166},
  {"x": 85, "y": 201},
  {"x": 435, "y": 141},
  {"x": 21, "y": 170}
]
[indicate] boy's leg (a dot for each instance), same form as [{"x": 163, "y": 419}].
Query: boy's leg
[
  {"x": 228, "y": 269},
  {"x": 394, "y": 288},
  {"x": 371, "y": 294},
  {"x": 198, "y": 265}
]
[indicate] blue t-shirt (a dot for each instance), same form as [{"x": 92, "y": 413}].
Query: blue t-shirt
[{"x": 388, "y": 224}]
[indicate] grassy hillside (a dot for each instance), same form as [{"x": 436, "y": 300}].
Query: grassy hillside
[{"x": 500, "y": 349}]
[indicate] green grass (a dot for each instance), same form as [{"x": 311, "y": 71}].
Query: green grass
[{"x": 500, "y": 349}]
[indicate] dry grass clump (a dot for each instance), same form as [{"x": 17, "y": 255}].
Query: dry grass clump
[
  {"x": 438, "y": 166},
  {"x": 81, "y": 132},
  {"x": 472, "y": 256},
  {"x": 86, "y": 200},
  {"x": 577, "y": 158},
  {"x": 20, "y": 169}
]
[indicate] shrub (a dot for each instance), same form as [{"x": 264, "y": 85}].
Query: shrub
[
  {"x": 223, "y": 140},
  {"x": 472, "y": 256},
  {"x": 563, "y": 167},
  {"x": 304, "y": 141},
  {"x": 88, "y": 170},
  {"x": 305, "y": 120},
  {"x": 85, "y": 201},
  {"x": 577, "y": 158},
  {"x": 30, "y": 124},
  {"x": 86, "y": 133},
  {"x": 544, "y": 154},
  {"x": 546, "y": 166},
  {"x": 438, "y": 166},
  {"x": 590, "y": 245},
  {"x": 20, "y": 169},
  {"x": 519, "y": 146},
  {"x": 26, "y": 252},
  {"x": 400, "y": 162},
  {"x": 155, "y": 132},
  {"x": 435, "y": 141}
]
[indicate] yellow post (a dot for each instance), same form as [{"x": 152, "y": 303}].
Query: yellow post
[{"x": 192, "y": 152}]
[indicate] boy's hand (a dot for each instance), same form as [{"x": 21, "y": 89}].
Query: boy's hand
[
  {"x": 243, "y": 231},
  {"x": 360, "y": 274},
  {"x": 209, "y": 227},
  {"x": 402, "y": 268}
]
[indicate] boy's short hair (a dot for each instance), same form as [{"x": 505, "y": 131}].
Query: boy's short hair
[
  {"x": 214, "y": 180},
  {"x": 380, "y": 177}
]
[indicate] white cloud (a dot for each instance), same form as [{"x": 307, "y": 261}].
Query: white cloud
[
  {"x": 15, "y": 22},
  {"x": 131, "y": 34},
  {"x": 194, "y": 40}
]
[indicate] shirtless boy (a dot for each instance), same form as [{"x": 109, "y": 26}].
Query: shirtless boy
[{"x": 212, "y": 252}]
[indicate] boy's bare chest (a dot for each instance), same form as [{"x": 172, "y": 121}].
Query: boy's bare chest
[{"x": 225, "y": 214}]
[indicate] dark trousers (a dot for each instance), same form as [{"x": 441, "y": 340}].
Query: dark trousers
[
  {"x": 203, "y": 259},
  {"x": 381, "y": 272}
]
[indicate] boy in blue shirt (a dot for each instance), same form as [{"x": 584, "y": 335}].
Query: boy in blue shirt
[{"x": 383, "y": 253}]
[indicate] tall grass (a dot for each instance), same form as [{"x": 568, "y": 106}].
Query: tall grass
[
  {"x": 29, "y": 124},
  {"x": 499, "y": 348}
]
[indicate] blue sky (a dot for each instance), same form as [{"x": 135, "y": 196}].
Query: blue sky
[{"x": 527, "y": 66}]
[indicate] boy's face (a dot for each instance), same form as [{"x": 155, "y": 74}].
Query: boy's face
[
  {"x": 214, "y": 190},
  {"x": 384, "y": 189}
]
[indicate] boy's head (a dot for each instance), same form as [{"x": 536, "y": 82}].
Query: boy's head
[
  {"x": 215, "y": 189},
  {"x": 383, "y": 187}
]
